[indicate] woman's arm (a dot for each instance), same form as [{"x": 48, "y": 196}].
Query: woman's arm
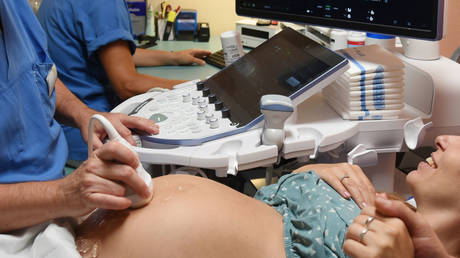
[
  {"x": 348, "y": 180},
  {"x": 119, "y": 66},
  {"x": 149, "y": 57}
]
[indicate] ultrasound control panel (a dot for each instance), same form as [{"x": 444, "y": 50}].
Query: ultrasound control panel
[{"x": 187, "y": 115}]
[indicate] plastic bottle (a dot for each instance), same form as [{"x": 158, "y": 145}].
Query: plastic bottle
[
  {"x": 356, "y": 39},
  {"x": 231, "y": 45},
  {"x": 150, "y": 21}
]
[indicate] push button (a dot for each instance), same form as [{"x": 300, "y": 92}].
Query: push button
[{"x": 158, "y": 118}]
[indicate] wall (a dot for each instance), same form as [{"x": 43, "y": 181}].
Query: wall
[
  {"x": 221, "y": 16},
  {"x": 219, "y": 13},
  {"x": 452, "y": 38}
]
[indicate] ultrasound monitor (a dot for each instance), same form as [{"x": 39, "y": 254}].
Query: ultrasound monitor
[
  {"x": 288, "y": 64},
  {"x": 406, "y": 18}
]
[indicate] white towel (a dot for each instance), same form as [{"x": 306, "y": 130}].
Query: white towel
[
  {"x": 370, "y": 59},
  {"x": 362, "y": 115},
  {"x": 46, "y": 240},
  {"x": 364, "y": 104},
  {"x": 337, "y": 88},
  {"x": 398, "y": 85},
  {"x": 373, "y": 76},
  {"x": 397, "y": 79},
  {"x": 373, "y": 93}
]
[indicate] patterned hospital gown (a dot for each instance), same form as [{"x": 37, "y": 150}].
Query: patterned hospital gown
[{"x": 315, "y": 216}]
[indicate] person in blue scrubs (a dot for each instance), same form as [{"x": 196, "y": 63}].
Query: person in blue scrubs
[
  {"x": 95, "y": 53},
  {"x": 33, "y": 149}
]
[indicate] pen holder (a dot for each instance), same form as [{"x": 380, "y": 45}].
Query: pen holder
[{"x": 164, "y": 29}]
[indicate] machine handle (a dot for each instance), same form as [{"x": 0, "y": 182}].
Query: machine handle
[
  {"x": 414, "y": 132},
  {"x": 363, "y": 157}
]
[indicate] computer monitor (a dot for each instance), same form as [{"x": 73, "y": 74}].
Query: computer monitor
[{"x": 406, "y": 18}]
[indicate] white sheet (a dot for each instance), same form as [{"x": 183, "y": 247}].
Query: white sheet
[{"x": 47, "y": 240}]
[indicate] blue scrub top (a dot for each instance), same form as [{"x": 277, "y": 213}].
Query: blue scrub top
[
  {"x": 75, "y": 31},
  {"x": 33, "y": 147}
]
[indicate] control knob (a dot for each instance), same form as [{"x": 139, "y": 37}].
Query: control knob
[
  {"x": 206, "y": 91},
  {"x": 225, "y": 112},
  {"x": 200, "y": 85},
  {"x": 212, "y": 98},
  {"x": 218, "y": 105}
]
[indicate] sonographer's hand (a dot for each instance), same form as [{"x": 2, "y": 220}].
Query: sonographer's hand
[
  {"x": 122, "y": 123},
  {"x": 191, "y": 56},
  {"x": 100, "y": 181},
  {"x": 348, "y": 180}
]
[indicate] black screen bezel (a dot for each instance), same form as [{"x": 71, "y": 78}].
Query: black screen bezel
[{"x": 434, "y": 33}]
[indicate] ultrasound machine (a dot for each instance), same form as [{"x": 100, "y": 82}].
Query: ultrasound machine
[{"x": 268, "y": 105}]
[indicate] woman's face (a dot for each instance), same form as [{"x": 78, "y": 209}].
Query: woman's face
[{"x": 438, "y": 184}]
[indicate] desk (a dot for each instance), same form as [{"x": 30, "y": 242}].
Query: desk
[{"x": 183, "y": 72}]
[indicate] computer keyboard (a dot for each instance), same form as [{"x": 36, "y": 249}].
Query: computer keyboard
[{"x": 216, "y": 59}]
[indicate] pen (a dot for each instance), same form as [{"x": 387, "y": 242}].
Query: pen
[
  {"x": 167, "y": 11},
  {"x": 163, "y": 9}
]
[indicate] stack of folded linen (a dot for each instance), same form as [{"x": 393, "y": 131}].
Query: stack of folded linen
[{"x": 372, "y": 88}]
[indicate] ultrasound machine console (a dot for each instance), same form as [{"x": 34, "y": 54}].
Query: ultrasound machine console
[
  {"x": 217, "y": 123},
  {"x": 227, "y": 103}
]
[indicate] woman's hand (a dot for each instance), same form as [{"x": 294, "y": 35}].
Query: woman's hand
[
  {"x": 348, "y": 180},
  {"x": 426, "y": 242},
  {"x": 374, "y": 235}
]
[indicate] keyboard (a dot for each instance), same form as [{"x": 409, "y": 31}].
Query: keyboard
[{"x": 216, "y": 59}]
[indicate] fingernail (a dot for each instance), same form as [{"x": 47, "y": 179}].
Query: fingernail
[
  {"x": 147, "y": 193},
  {"x": 347, "y": 194},
  {"x": 364, "y": 204}
]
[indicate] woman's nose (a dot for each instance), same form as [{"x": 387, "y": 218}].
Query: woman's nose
[{"x": 441, "y": 142}]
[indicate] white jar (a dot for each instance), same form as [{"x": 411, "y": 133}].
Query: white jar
[
  {"x": 385, "y": 41},
  {"x": 338, "y": 39},
  {"x": 356, "y": 39}
]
